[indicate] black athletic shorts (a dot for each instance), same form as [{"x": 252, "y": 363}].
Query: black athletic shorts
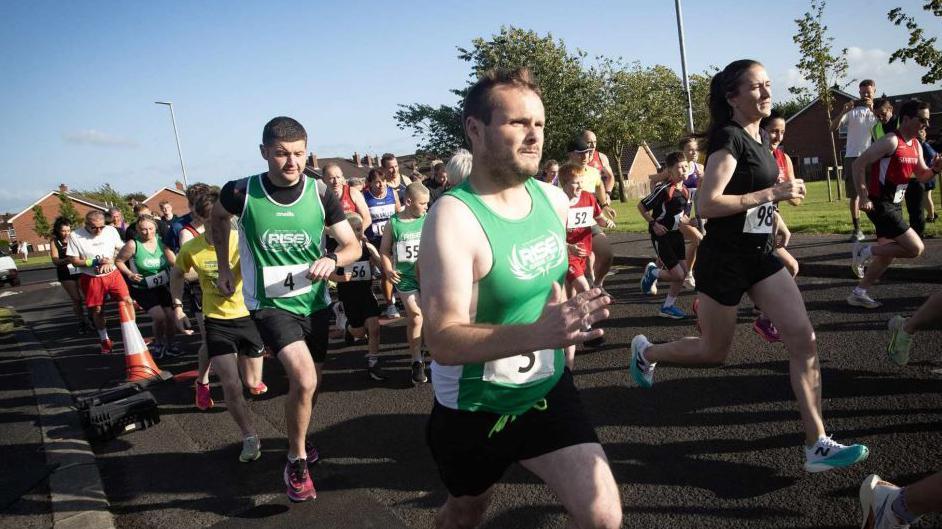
[
  {"x": 887, "y": 218},
  {"x": 193, "y": 296},
  {"x": 669, "y": 248},
  {"x": 359, "y": 303},
  {"x": 469, "y": 461},
  {"x": 238, "y": 335},
  {"x": 149, "y": 298},
  {"x": 63, "y": 275},
  {"x": 279, "y": 328},
  {"x": 725, "y": 276}
]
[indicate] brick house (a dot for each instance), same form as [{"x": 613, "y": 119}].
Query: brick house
[
  {"x": 22, "y": 227},
  {"x": 638, "y": 163},
  {"x": 358, "y": 166},
  {"x": 175, "y": 195}
]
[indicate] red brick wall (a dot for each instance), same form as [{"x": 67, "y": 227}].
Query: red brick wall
[
  {"x": 178, "y": 201},
  {"x": 25, "y": 229},
  {"x": 806, "y": 136},
  {"x": 637, "y": 181}
]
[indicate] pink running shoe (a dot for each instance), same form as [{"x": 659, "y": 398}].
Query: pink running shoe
[
  {"x": 764, "y": 328},
  {"x": 204, "y": 400},
  {"x": 260, "y": 389},
  {"x": 300, "y": 487}
]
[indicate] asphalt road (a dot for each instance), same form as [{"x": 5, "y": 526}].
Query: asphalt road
[{"x": 716, "y": 447}]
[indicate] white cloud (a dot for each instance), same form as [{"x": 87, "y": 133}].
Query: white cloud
[
  {"x": 895, "y": 78},
  {"x": 13, "y": 200},
  {"x": 98, "y": 138}
]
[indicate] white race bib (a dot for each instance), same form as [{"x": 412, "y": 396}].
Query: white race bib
[
  {"x": 580, "y": 218},
  {"x": 361, "y": 271},
  {"x": 72, "y": 270},
  {"x": 407, "y": 251},
  {"x": 157, "y": 280},
  {"x": 900, "y": 192},
  {"x": 286, "y": 281},
  {"x": 759, "y": 219},
  {"x": 521, "y": 369}
]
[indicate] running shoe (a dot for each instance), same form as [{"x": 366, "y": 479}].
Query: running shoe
[
  {"x": 391, "y": 311},
  {"x": 641, "y": 371},
  {"x": 900, "y": 341},
  {"x": 173, "y": 350},
  {"x": 648, "y": 279},
  {"x": 156, "y": 350},
  {"x": 418, "y": 373},
  {"x": 876, "y": 500},
  {"x": 251, "y": 449},
  {"x": 690, "y": 283},
  {"x": 340, "y": 317},
  {"x": 313, "y": 456},
  {"x": 672, "y": 312},
  {"x": 204, "y": 400},
  {"x": 858, "y": 261},
  {"x": 766, "y": 329},
  {"x": 298, "y": 481},
  {"x": 863, "y": 300},
  {"x": 260, "y": 389},
  {"x": 375, "y": 372},
  {"x": 107, "y": 346},
  {"x": 827, "y": 454},
  {"x": 857, "y": 235}
]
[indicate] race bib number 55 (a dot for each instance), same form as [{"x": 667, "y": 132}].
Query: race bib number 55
[
  {"x": 521, "y": 369},
  {"x": 286, "y": 281},
  {"x": 759, "y": 219}
]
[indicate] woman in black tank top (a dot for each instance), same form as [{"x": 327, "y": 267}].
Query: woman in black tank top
[
  {"x": 61, "y": 230},
  {"x": 738, "y": 196}
]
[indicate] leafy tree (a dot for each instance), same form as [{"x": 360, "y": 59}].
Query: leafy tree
[
  {"x": 820, "y": 65},
  {"x": 111, "y": 197},
  {"x": 920, "y": 49},
  {"x": 790, "y": 107},
  {"x": 439, "y": 128},
  {"x": 40, "y": 224},
  {"x": 700, "y": 97},
  {"x": 67, "y": 210},
  {"x": 134, "y": 198}
]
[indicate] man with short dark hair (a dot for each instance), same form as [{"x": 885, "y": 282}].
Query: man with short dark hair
[
  {"x": 283, "y": 217},
  {"x": 437, "y": 184},
  {"x": 896, "y": 158},
  {"x": 859, "y": 118},
  {"x": 498, "y": 323},
  {"x": 166, "y": 211},
  {"x": 394, "y": 179}
]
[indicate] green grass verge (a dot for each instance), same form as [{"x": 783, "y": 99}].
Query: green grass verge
[
  {"x": 9, "y": 320},
  {"x": 814, "y": 215}
]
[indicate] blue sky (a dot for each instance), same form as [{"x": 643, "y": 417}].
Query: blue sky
[{"x": 80, "y": 78}]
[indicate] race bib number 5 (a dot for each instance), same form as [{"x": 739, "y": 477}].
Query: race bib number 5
[
  {"x": 759, "y": 219},
  {"x": 286, "y": 281},
  {"x": 521, "y": 369}
]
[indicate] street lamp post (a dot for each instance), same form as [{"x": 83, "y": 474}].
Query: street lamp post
[
  {"x": 176, "y": 136},
  {"x": 683, "y": 64}
]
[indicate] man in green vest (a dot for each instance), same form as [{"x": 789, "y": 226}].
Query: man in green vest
[
  {"x": 282, "y": 217},
  {"x": 498, "y": 325}
]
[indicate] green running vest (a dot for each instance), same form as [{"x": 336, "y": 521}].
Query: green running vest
[
  {"x": 277, "y": 245},
  {"x": 405, "y": 240},
  {"x": 529, "y": 255},
  {"x": 152, "y": 266}
]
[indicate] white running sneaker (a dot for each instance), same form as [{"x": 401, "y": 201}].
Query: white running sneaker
[
  {"x": 251, "y": 449},
  {"x": 858, "y": 262},
  {"x": 391, "y": 311},
  {"x": 900, "y": 341},
  {"x": 863, "y": 300},
  {"x": 828, "y": 454},
  {"x": 641, "y": 371},
  {"x": 876, "y": 500},
  {"x": 340, "y": 316},
  {"x": 689, "y": 282}
]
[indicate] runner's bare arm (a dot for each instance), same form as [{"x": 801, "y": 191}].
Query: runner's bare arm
[
  {"x": 127, "y": 252},
  {"x": 711, "y": 202},
  {"x": 385, "y": 256},
  {"x": 221, "y": 226},
  {"x": 883, "y": 147},
  {"x": 790, "y": 175},
  {"x": 177, "y": 278},
  {"x": 925, "y": 173},
  {"x": 607, "y": 170}
]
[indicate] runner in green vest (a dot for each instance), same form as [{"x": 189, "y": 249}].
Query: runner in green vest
[
  {"x": 497, "y": 321},
  {"x": 399, "y": 250},
  {"x": 283, "y": 217}
]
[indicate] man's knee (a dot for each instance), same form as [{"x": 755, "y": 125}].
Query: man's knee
[
  {"x": 464, "y": 514},
  {"x": 603, "y": 515}
]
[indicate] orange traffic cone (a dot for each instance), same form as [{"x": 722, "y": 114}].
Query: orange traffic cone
[{"x": 139, "y": 364}]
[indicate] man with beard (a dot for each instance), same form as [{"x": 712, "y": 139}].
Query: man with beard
[{"x": 498, "y": 322}]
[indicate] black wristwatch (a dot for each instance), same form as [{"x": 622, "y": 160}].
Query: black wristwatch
[{"x": 331, "y": 255}]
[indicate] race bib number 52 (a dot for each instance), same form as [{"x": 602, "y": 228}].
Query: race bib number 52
[
  {"x": 759, "y": 219},
  {"x": 521, "y": 369}
]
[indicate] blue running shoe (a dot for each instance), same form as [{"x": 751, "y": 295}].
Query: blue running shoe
[
  {"x": 827, "y": 454},
  {"x": 641, "y": 371},
  {"x": 648, "y": 279},
  {"x": 672, "y": 312}
]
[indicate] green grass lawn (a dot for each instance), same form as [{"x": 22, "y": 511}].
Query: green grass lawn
[
  {"x": 814, "y": 215},
  {"x": 34, "y": 261}
]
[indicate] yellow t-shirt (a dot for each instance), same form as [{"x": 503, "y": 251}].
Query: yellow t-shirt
[
  {"x": 591, "y": 180},
  {"x": 197, "y": 254}
]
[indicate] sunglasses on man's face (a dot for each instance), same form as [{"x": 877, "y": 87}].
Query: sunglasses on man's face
[{"x": 95, "y": 228}]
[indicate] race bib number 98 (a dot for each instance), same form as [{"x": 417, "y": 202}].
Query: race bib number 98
[
  {"x": 286, "y": 281},
  {"x": 759, "y": 219},
  {"x": 407, "y": 251},
  {"x": 521, "y": 369}
]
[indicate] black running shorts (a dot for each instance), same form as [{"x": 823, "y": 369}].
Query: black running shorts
[
  {"x": 279, "y": 328},
  {"x": 887, "y": 218},
  {"x": 469, "y": 461},
  {"x": 725, "y": 276},
  {"x": 359, "y": 303},
  {"x": 669, "y": 248},
  {"x": 237, "y": 335},
  {"x": 149, "y": 298}
]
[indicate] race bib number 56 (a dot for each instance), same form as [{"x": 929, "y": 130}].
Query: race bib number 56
[
  {"x": 521, "y": 369},
  {"x": 759, "y": 219},
  {"x": 286, "y": 281}
]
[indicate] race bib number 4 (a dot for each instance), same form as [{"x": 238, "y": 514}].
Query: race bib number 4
[
  {"x": 759, "y": 219},
  {"x": 157, "y": 280},
  {"x": 286, "y": 281},
  {"x": 900, "y": 193},
  {"x": 360, "y": 271},
  {"x": 521, "y": 369},
  {"x": 407, "y": 251},
  {"x": 580, "y": 218}
]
